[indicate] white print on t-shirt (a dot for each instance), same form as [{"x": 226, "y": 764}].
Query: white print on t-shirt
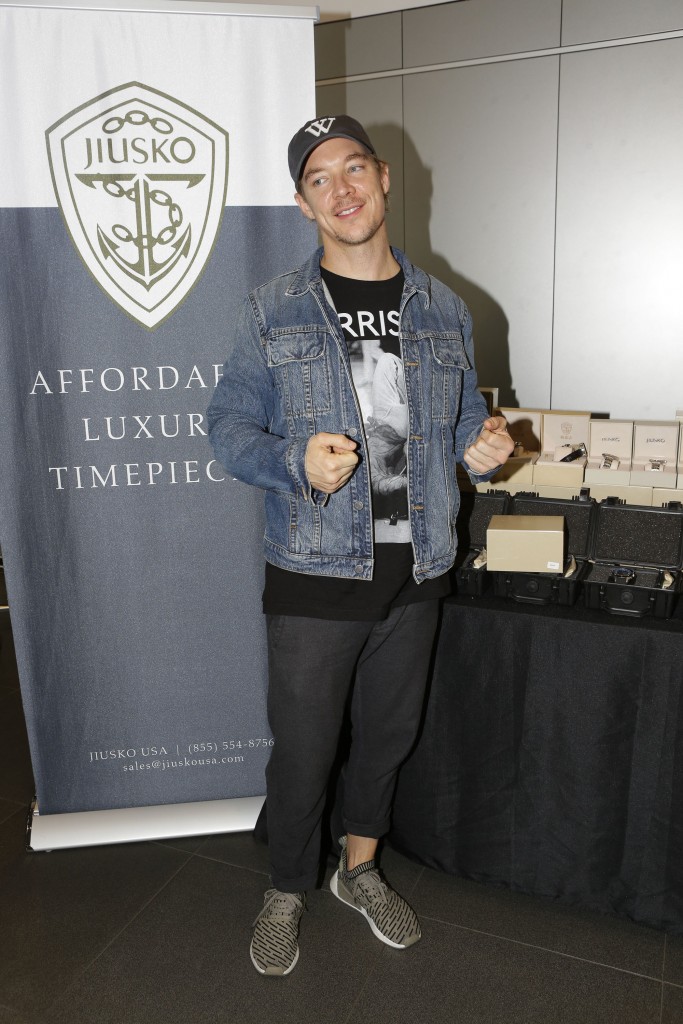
[
  {"x": 380, "y": 385},
  {"x": 365, "y": 323}
]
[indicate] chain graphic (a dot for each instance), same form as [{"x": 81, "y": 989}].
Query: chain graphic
[{"x": 141, "y": 182}]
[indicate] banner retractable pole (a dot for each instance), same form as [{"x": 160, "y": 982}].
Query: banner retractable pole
[
  {"x": 48, "y": 832},
  {"x": 145, "y": 192}
]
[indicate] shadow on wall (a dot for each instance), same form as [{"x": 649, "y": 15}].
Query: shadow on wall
[{"x": 411, "y": 200}]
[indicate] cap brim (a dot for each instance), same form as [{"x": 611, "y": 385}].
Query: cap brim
[{"x": 318, "y": 142}]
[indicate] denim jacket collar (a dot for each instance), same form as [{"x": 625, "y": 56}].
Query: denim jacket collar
[{"x": 416, "y": 280}]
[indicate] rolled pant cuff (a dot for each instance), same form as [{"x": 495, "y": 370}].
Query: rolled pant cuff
[
  {"x": 372, "y": 831},
  {"x": 301, "y": 884}
]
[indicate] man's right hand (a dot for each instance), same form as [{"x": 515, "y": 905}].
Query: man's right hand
[{"x": 330, "y": 461}]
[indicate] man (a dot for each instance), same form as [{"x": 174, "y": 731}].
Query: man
[{"x": 351, "y": 598}]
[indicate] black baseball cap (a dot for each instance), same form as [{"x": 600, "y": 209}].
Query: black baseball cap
[{"x": 319, "y": 130}]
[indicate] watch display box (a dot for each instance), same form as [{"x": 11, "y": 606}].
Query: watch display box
[
  {"x": 476, "y": 511},
  {"x": 524, "y": 427},
  {"x": 562, "y": 429},
  {"x": 561, "y": 587},
  {"x": 610, "y": 448},
  {"x": 636, "y": 554},
  {"x": 490, "y": 396},
  {"x": 655, "y": 453},
  {"x": 631, "y": 495},
  {"x": 522, "y": 543},
  {"x": 660, "y": 495}
]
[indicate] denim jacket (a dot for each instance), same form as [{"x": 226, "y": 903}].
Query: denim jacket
[{"x": 288, "y": 376}]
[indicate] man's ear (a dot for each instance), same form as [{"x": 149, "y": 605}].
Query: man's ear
[
  {"x": 384, "y": 176},
  {"x": 303, "y": 206}
]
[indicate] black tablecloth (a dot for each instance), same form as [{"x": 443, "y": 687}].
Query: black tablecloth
[{"x": 551, "y": 757}]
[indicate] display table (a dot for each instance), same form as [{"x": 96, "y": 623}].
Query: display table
[{"x": 551, "y": 757}]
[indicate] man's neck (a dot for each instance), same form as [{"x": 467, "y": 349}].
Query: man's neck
[{"x": 362, "y": 262}]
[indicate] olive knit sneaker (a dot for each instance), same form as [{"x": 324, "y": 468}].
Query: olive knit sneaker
[
  {"x": 274, "y": 947},
  {"x": 387, "y": 913}
]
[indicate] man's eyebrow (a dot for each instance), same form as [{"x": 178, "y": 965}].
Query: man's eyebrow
[{"x": 352, "y": 156}]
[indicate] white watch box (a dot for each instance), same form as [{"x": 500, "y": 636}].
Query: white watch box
[
  {"x": 490, "y": 397},
  {"x": 655, "y": 453},
  {"x": 561, "y": 427},
  {"x": 662, "y": 495},
  {"x": 613, "y": 438},
  {"x": 631, "y": 495},
  {"x": 524, "y": 427}
]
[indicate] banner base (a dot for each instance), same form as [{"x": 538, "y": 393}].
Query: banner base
[{"x": 139, "y": 824}]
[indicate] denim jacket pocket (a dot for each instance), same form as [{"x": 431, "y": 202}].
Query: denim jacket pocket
[
  {"x": 450, "y": 362},
  {"x": 298, "y": 358}
]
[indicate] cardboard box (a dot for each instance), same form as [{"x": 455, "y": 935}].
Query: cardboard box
[
  {"x": 631, "y": 495},
  {"x": 615, "y": 439},
  {"x": 525, "y": 544},
  {"x": 524, "y": 427},
  {"x": 553, "y": 491},
  {"x": 490, "y": 397},
  {"x": 561, "y": 427},
  {"x": 662, "y": 495},
  {"x": 655, "y": 444}
]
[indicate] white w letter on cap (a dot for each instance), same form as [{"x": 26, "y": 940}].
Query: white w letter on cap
[{"x": 320, "y": 127}]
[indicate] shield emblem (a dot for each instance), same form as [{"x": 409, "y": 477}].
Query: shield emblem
[{"x": 141, "y": 181}]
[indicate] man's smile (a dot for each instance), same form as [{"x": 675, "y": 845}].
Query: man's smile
[{"x": 348, "y": 210}]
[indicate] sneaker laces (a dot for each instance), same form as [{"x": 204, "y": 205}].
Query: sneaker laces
[
  {"x": 281, "y": 905},
  {"x": 370, "y": 887}
]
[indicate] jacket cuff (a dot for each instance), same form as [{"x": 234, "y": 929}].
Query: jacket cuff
[
  {"x": 296, "y": 467},
  {"x": 476, "y": 478}
]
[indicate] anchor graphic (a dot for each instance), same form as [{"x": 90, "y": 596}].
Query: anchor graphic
[
  {"x": 145, "y": 237},
  {"x": 145, "y": 268}
]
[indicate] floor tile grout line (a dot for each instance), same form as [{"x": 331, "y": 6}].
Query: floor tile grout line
[
  {"x": 375, "y": 967},
  {"x": 661, "y": 995},
  {"x": 20, "y": 805},
  {"x": 84, "y": 970},
  {"x": 417, "y": 881},
  {"x": 228, "y": 864},
  {"x": 546, "y": 949}
]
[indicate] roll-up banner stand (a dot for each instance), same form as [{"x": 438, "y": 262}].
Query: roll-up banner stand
[{"x": 144, "y": 191}]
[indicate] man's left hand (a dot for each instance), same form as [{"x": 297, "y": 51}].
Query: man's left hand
[{"x": 492, "y": 448}]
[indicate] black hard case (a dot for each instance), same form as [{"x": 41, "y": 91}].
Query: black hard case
[
  {"x": 646, "y": 539},
  {"x": 551, "y": 588},
  {"x": 473, "y": 520}
]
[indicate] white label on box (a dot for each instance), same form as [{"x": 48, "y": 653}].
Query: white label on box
[{"x": 554, "y": 566}]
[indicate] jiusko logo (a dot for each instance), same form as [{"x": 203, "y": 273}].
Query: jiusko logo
[{"x": 141, "y": 181}]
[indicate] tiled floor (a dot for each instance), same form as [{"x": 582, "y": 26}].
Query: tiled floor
[{"x": 157, "y": 933}]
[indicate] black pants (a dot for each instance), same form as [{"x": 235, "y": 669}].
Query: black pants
[{"x": 314, "y": 665}]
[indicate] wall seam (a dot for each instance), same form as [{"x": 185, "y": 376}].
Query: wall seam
[
  {"x": 403, "y": 134},
  {"x": 557, "y": 178},
  {"x": 554, "y": 51}
]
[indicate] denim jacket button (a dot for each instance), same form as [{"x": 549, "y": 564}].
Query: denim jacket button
[
  {"x": 358, "y": 505},
  {"x": 353, "y": 431},
  {"x": 358, "y": 569}
]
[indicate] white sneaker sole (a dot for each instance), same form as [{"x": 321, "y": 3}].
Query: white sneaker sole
[{"x": 334, "y": 886}]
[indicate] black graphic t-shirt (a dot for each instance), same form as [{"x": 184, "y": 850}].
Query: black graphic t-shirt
[{"x": 368, "y": 312}]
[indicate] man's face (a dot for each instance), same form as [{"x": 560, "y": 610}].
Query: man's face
[{"x": 343, "y": 192}]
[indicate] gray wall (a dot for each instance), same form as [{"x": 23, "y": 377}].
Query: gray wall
[{"x": 536, "y": 149}]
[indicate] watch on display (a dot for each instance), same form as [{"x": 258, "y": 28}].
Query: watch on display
[
  {"x": 656, "y": 464},
  {"x": 576, "y": 453},
  {"x": 608, "y": 460},
  {"x": 623, "y": 575}
]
